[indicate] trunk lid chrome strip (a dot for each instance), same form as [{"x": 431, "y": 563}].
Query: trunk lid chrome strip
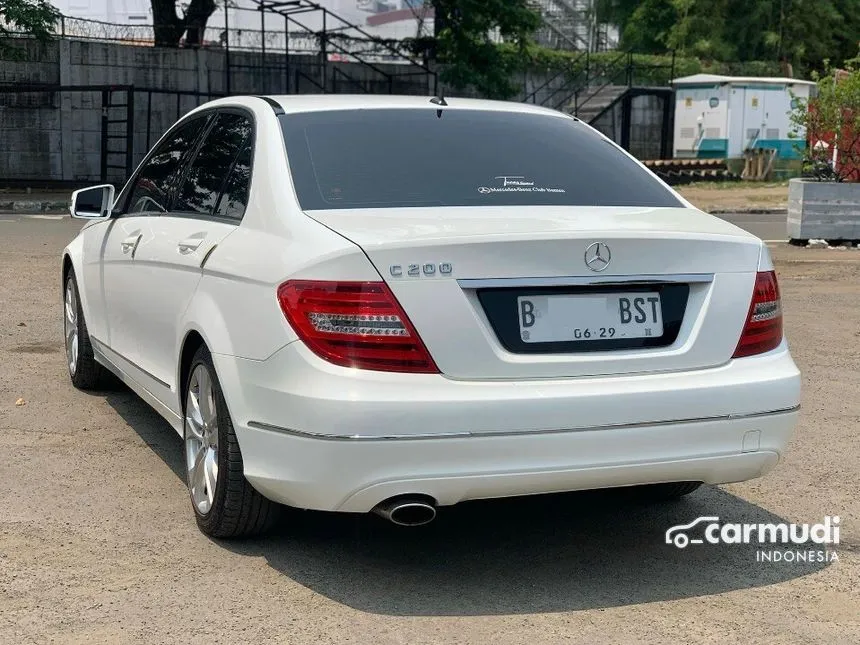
[{"x": 575, "y": 281}]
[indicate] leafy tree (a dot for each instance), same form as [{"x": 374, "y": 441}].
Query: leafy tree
[
  {"x": 465, "y": 43},
  {"x": 169, "y": 27},
  {"x": 831, "y": 122},
  {"x": 645, "y": 25},
  {"x": 33, "y": 17},
  {"x": 820, "y": 30},
  {"x": 801, "y": 32}
]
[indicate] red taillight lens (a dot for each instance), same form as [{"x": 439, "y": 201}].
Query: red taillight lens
[
  {"x": 354, "y": 324},
  {"x": 763, "y": 329}
]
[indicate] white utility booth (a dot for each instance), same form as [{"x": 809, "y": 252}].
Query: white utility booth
[{"x": 722, "y": 116}]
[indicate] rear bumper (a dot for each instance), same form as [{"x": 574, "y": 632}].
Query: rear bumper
[
  {"x": 356, "y": 476},
  {"x": 314, "y": 435}
]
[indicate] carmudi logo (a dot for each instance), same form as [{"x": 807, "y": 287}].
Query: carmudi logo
[{"x": 709, "y": 530}]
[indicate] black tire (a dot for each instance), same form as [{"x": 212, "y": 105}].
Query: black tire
[
  {"x": 85, "y": 372},
  {"x": 664, "y": 492},
  {"x": 238, "y": 510}
]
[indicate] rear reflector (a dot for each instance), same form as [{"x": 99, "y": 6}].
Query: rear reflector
[
  {"x": 763, "y": 329},
  {"x": 354, "y": 324}
]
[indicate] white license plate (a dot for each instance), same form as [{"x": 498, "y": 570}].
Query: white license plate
[{"x": 589, "y": 317}]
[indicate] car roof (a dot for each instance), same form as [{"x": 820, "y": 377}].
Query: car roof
[{"x": 327, "y": 102}]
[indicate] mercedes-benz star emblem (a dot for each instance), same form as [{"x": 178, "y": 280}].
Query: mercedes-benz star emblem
[{"x": 597, "y": 256}]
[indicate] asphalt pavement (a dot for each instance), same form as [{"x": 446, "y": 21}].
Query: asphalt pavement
[
  {"x": 768, "y": 226},
  {"x": 98, "y": 542}
]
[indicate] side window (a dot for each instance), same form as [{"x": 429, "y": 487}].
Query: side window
[
  {"x": 208, "y": 173},
  {"x": 151, "y": 191},
  {"x": 235, "y": 196}
]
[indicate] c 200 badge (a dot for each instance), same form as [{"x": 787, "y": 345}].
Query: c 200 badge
[{"x": 428, "y": 269}]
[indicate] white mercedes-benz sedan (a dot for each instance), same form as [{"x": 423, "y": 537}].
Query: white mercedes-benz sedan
[{"x": 394, "y": 304}]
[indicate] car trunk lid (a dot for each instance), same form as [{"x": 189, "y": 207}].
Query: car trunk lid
[{"x": 462, "y": 275}]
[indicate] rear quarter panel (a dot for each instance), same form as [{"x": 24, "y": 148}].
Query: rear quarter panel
[{"x": 236, "y": 309}]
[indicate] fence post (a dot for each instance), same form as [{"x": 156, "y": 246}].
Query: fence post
[
  {"x": 129, "y": 133},
  {"x": 286, "y": 54},
  {"x": 666, "y": 127},
  {"x": 324, "y": 53},
  {"x": 262, "y": 10},
  {"x": 148, "y": 116},
  {"x": 626, "y": 120},
  {"x": 226, "y": 46},
  {"x": 104, "y": 151},
  {"x": 672, "y": 70},
  {"x": 629, "y": 69},
  {"x": 587, "y": 68}
]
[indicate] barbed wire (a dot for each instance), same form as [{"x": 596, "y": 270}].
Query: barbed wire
[{"x": 240, "y": 38}]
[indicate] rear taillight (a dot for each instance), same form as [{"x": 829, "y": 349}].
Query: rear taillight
[
  {"x": 354, "y": 324},
  {"x": 763, "y": 329}
]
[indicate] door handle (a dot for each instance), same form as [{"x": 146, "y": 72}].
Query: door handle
[
  {"x": 130, "y": 243},
  {"x": 189, "y": 245}
]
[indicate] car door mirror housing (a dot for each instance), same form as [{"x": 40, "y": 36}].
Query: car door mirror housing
[{"x": 93, "y": 203}]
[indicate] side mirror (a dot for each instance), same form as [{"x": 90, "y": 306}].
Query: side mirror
[{"x": 92, "y": 203}]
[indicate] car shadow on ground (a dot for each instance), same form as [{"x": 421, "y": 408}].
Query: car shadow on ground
[
  {"x": 547, "y": 553},
  {"x": 148, "y": 424}
]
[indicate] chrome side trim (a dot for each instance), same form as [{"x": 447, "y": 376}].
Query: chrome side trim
[
  {"x": 528, "y": 433},
  {"x": 103, "y": 349},
  {"x": 580, "y": 280},
  {"x": 100, "y": 354}
]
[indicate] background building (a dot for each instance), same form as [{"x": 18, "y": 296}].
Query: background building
[
  {"x": 567, "y": 24},
  {"x": 243, "y": 14},
  {"x": 722, "y": 116}
]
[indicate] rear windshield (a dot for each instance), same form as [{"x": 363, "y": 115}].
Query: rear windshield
[{"x": 416, "y": 157}]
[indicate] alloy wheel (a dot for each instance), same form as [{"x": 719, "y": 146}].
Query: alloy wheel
[
  {"x": 70, "y": 326},
  {"x": 201, "y": 439}
]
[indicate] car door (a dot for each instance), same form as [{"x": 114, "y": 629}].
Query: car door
[
  {"x": 145, "y": 198},
  {"x": 204, "y": 210},
  {"x": 108, "y": 254},
  {"x": 98, "y": 237}
]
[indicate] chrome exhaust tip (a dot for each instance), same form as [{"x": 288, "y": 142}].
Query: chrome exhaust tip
[{"x": 407, "y": 510}]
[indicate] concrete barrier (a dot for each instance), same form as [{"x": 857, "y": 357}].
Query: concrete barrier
[
  {"x": 26, "y": 206},
  {"x": 823, "y": 210}
]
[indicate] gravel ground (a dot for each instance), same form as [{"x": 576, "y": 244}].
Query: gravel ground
[
  {"x": 98, "y": 543},
  {"x": 740, "y": 196}
]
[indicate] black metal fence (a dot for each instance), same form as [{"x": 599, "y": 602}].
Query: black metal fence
[
  {"x": 630, "y": 101},
  {"x": 78, "y": 134},
  {"x": 69, "y": 135},
  {"x": 582, "y": 79},
  {"x": 66, "y": 133}
]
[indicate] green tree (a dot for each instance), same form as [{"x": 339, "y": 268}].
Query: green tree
[
  {"x": 33, "y": 17},
  {"x": 819, "y": 30},
  {"x": 831, "y": 122},
  {"x": 646, "y": 25},
  {"x": 465, "y": 44},
  {"x": 801, "y": 32}
]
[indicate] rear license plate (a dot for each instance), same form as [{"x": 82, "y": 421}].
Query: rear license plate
[{"x": 587, "y": 317}]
